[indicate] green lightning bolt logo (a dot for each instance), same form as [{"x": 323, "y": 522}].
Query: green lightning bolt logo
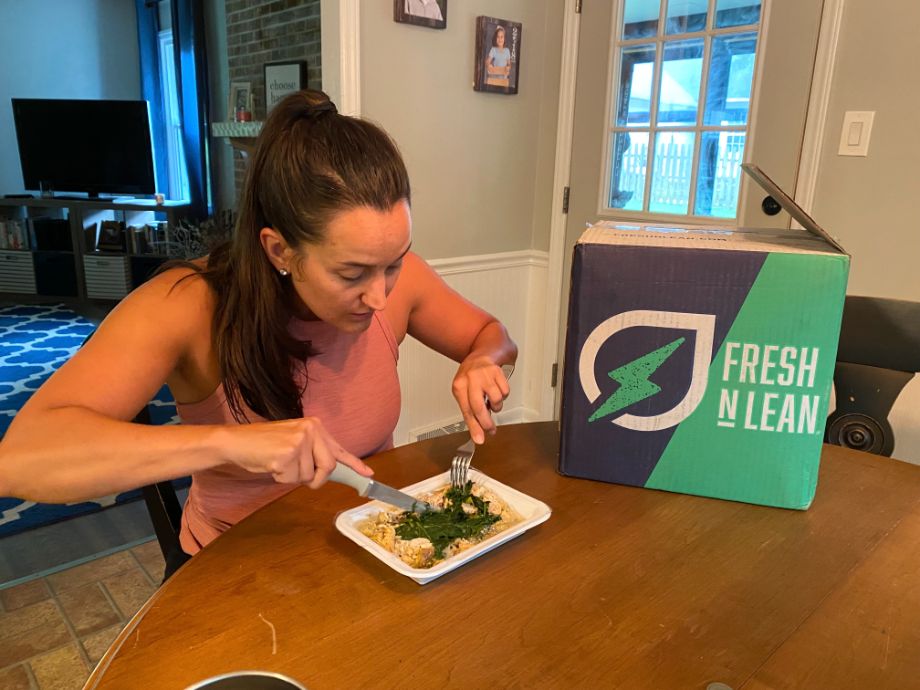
[{"x": 633, "y": 380}]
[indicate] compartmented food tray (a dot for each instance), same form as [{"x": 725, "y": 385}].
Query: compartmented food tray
[{"x": 530, "y": 509}]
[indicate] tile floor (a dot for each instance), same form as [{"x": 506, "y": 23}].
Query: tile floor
[{"x": 54, "y": 629}]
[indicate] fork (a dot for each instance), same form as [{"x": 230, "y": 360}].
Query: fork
[{"x": 460, "y": 464}]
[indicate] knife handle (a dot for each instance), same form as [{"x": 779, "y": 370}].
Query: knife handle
[{"x": 343, "y": 474}]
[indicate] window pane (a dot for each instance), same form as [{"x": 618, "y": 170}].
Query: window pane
[
  {"x": 737, "y": 13},
  {"x": 719, "y": 174},
  {"x": 667, "y": 164},
  {"x": 640, "y": 18},
  {"x": 637, "y": 64},
  {"x": 176, "y": 169},
  {"x": 629, "y": 156},
  {"x": 672, "y": 167},
  {"x": 686, "y": 15},
  {"x": 731, "y": 74},
  {"x": 681, "y": 68}
]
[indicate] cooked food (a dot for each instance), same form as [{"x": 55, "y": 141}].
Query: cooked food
[{"x": 461, "y": 518}]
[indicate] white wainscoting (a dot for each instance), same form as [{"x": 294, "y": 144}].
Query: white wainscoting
[{"x": 511, "y": 286}]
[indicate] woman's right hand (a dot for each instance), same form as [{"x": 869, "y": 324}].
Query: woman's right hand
[{"x": 293, "y": 451}]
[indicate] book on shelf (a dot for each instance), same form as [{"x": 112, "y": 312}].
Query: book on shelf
[
  {"x": 156, "y": 237},
  {"x": 14, "y": 234},
  {"x": 136, "y": 242},
  {"x": 91, "y": 236}
]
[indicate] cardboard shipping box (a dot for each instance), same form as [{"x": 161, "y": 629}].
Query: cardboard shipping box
[{"x": 701, "y": 360}]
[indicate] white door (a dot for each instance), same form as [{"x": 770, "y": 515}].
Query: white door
[{"x": 668, "y": 50}]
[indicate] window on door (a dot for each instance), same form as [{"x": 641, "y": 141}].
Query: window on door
[{"x": 683, "y": 73}]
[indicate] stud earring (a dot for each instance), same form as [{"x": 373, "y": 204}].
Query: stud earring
[{"x": 283, "y": 271}]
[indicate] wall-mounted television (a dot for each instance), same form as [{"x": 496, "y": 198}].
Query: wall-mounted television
[{"x": 92, "y": 146}]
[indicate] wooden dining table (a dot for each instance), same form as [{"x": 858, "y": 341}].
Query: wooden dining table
[{"x": 622, "y": 587}]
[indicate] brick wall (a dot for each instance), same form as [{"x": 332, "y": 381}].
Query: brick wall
[{"x": 260, "y": 31}]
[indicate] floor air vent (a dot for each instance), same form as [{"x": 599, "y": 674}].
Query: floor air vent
[{"x": 442, "y": 431}]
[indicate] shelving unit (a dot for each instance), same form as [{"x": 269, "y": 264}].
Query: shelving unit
[{"x": 65, "y": 263}]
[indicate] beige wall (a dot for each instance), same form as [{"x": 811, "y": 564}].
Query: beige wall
[
  {"x": 871, "y": 203},
  {"x": 49, "y": 49},
  {"x": 481, "y": 164}
]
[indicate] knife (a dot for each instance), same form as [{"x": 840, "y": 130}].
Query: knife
[{"x": 365, "y": 486}]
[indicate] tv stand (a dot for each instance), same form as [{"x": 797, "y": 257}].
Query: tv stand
[{"x": 80, "y": 213}]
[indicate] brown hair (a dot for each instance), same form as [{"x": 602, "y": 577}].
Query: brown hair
[{"x": 310, "y": 163}]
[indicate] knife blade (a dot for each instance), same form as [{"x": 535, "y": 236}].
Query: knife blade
[{"x": 365, "y": 486}]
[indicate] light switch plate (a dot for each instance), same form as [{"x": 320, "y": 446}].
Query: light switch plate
[{"x": 854, "y": 135}]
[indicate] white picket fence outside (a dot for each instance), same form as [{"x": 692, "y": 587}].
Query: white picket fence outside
[{"x": 673, "y": 168}]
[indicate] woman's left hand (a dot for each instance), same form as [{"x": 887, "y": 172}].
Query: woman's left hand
[{"x": 480, "y": 388}]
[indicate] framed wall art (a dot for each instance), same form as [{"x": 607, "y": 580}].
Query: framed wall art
[
  {"x": 430, "y": 13},
  {"x": 240, "y": 101},
  {"x": 283, "y": 78},
  {"x": 498, "y": 55}
]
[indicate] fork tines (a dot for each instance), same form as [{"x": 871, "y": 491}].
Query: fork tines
[{"x": 460, "y": 465}]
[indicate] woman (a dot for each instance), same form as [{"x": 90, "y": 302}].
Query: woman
[{"x": 280, "y": 348}]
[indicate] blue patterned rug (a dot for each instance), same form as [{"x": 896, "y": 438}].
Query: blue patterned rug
[{"x": 34, "y": 341}]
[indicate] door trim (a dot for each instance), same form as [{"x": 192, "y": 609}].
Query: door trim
[
  {"x": 806, "y": 177},
  {"x": 816, "y": 117},
  {"x": 564, "y": 131},
  {"x": 340, "y": 22},
  {"x": 350, "y": 56}
]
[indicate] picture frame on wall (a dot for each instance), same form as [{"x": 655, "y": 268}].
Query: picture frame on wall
[
  {"x": 498, "y": 55},
  {"x": 239, "y": 101},
  {"x": 430, "y": 13},
  {"x": 283, "y": 78}
]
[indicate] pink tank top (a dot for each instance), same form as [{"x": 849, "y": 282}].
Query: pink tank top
[{"x": 352, "y": 387}]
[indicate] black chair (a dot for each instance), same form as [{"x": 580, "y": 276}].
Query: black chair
[
  {"x": 879, "y": 353},
  {"x": 162, "y": 505}
]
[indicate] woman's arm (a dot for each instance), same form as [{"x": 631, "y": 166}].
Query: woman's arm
[
  {"x": 73, "y": 439},
  {"x": 443, "y": 320}
]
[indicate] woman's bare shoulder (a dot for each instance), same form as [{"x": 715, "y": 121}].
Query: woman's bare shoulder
[
  {"x": 415, "y": 275},
  {"x": 428, "y": 309},
  {"x": 176, "y": 305},
  {"x": 140, "y": 344},
  {"x": 405, "y": 294},
  {"x": 177, "y": 290}
]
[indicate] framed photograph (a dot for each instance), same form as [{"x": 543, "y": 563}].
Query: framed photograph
[
  {"x": 498, "y": 55},
  {"x": 111, "y": 237},
  {"x": 283, "y": 78},
  {"x": 430, "y": 13},
  {"x": 240, "y": 100}
]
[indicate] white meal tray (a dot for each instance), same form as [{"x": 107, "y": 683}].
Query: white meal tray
[{"x": 530, "y": 509}]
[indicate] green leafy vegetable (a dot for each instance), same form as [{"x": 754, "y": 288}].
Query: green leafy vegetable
[{"x": 441, "y": 527}]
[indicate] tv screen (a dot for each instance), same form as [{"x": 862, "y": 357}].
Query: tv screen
[{"x": 98, "y": 147}]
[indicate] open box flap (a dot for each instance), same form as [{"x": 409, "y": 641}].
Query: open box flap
[{"x": 789, "y": 205}]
